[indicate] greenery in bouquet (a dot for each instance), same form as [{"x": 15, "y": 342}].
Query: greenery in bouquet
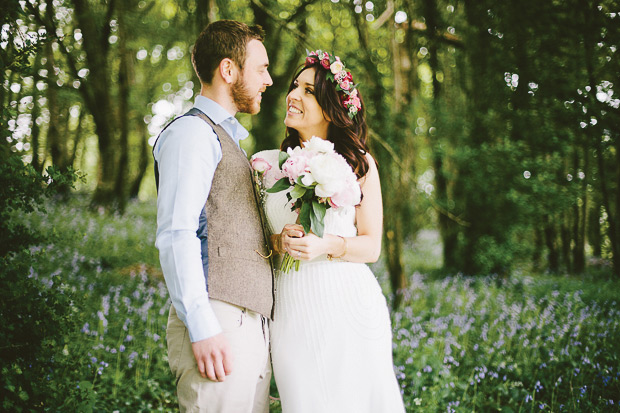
[{"x": 316, "y": 178}]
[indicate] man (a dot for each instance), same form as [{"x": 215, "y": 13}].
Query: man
[{"x": 210, "y": 234}]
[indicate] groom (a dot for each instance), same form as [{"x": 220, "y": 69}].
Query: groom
[{"x": 210, "y": 234}]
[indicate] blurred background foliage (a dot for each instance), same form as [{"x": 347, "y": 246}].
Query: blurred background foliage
[{"x": 495, "y": 123}]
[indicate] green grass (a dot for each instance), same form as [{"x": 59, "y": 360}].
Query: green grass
[{"x": 526, "y": 343}]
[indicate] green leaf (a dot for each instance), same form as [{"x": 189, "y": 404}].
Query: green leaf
[
  {"x": 309, "y": 195},
  {"x": 317, "y": 218},
  {"x": 281, "y": 185},
  {"x": 304, "y": 216},
  {"x": 297, "y": 192},
  {"x": 282, "y": 157}
]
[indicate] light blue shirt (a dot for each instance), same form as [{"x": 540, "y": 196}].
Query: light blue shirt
[{"x": 187, "y": 154}]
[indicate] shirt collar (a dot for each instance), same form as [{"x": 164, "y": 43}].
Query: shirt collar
[{"x": 220, "y": 116}]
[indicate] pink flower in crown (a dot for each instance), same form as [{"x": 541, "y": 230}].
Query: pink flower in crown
[
  {"x": 353, "y": 93},
  {"x": 336, "y": 67},
  {"x": 323, "y": 56},
  {"x": 313, "y": 53},
  {"x": 310, "y": 60},
  {"x": 340, "y": 75},
  {"x": 325, "y": 63},
  {"x": 355, "y": 101},
  {"x": 345, "y": 85}
]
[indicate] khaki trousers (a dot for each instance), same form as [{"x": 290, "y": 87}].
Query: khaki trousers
[{"x": 246, "y": 389}]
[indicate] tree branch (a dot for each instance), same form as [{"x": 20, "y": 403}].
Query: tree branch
[
  {"x": 444, "y": 37},
  {"x": 300, "y": 38}
]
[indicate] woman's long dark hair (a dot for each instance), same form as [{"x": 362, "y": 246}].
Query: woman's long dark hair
[{"x": 348, "y": 135}]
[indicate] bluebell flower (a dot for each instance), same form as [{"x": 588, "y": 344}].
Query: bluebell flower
[{"x": 538, "y": 387}]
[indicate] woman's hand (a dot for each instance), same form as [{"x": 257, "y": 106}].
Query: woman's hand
[
  {"x": 282, "y": 241},
  {"x": 311, "y": 246}
]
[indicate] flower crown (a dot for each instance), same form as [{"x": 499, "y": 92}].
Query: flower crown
[{"x": 337, "y": 74}]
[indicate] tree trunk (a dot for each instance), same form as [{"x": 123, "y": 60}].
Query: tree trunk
[
  {"x": 552, "y": 249},
  {"x": 143, "y": 162},
  {"x": 616, "y": 228},
  {"x": 54, "y": 141},
  {"x": 393, "y": 248},
  {"x": 538, "y": 248},
  {"x": 447, "y": 227},
  {"x": 96, "y": 94},
  {"x": 36, "y": 112},
  {"x": 612, "y": 231},
  {"x": 78, "y": 137},
  {"x": 123, "y": 113},
  {"x": 594, "y": 230},
  {"x": 205, "y": 14},
  {"x": 580, "y": 211},
  {"x": 565, "y": 241},
  {"x": 478, "y": 51},
  {"x": 391, "y": 179},
  {"x": 268, "y": 128}
]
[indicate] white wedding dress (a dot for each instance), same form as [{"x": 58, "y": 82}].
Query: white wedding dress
[{"x": 331, "y": 340}]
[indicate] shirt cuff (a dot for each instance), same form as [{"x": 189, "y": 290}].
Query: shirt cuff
[{"x": 202, "y": 323}]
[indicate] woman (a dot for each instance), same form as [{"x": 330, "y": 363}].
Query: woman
[{"x": 331, "y": 338}]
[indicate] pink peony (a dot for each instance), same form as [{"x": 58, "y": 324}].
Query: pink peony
[
  {"x": 325, "y": 63},
  {"x": 345, "y": 85},
  {"x": 294, "y": 167},
  {"x": 260, "y": 165},
  {"x": 272, "y": 176},
  {"x": 349, "y": 194}
]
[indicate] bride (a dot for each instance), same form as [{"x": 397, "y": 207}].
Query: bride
[{"x": 331, "y": 341}]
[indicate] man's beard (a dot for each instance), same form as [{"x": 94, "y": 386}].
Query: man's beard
[{"x": 241, "y": 98}]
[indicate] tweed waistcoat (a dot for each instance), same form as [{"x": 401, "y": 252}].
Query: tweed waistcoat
[{"x": 235, "y": 233}]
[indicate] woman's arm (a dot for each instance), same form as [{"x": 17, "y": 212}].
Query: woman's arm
[{"x": 365, "y": 247}]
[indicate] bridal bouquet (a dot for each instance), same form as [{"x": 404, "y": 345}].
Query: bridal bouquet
[{"x": 318, "y": 178}]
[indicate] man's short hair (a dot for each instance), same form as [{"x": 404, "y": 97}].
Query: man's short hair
[{"x": 220, "y": 40}]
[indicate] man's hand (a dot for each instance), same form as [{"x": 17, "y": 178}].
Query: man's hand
[{"x": 213, "y": 357}]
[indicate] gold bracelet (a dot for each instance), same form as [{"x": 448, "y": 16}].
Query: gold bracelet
[{"x": 330, "y": 256}]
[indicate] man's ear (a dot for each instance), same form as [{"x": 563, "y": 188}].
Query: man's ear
[{"x": 228, "y": 70}]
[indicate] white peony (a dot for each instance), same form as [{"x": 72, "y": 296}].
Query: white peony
[
  {"x": 318, "y": 145},
  {"x": 329, "y": 171},
  {"x": 296, "y": 151},
  {"x": 308, "y": 179}
]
